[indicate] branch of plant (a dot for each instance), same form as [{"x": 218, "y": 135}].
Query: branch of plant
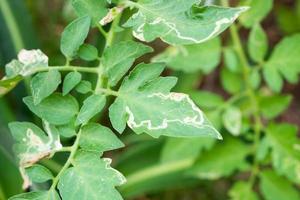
[
  {"x": 73, "y": 150},
  {"x": 251, "y": 93}
]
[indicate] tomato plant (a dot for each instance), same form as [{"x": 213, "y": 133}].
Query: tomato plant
[{"x": 113, "y": 83}]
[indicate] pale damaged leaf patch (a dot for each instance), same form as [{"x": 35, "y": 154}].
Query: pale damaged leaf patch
[
  {"x": 111, "y": 15},
  {"x": 196, "y": 120},
  {"x": 179, "y": 23},
  {"x": 28, "y": 61},
  {"x": 146, "y": 105},
  {"x": 33, "y": 144},
  {"x": 174, "y": 114}
]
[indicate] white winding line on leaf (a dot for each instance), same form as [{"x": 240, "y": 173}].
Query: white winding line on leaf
[
  {"x": 139, "y": 33},
  {"x": 196, "y": 120},
  {"x": 28, "y": 158},
  {"x": 120, "y": 176}
]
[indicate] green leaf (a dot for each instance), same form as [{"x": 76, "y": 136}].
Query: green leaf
[
  {"x": 33, "y": 144},
  {"x": 242, "y": 191},
  {"x": 255, "y": 78},
  {"x": 206, "y": 99},
  {"x": 7, "y": 85},
  {"x": 274, "y": 187},
  {"x": 157, "y": 111},
  {"x": 257, "y": 43},
  {"x": 231, "y": 82},
  {"x": 284, "y": 62},
  {"x": 44, "y": 84},
  {"x": 285, "y": 146},
  {"x": 74, "y": 35},
  {"x": 40, "y": 195},
  {"x": 94, "y": 8},
  {"x": 91, "y": 106},
  {"x": 223, "y": 160},
  {"x": 232, "y": 119},
  {"x": 231, "y": 60},
  {"x": 88, "y": 52},
  {"x": 181, "y": 149},
  {"x": 95, "y": 137},
  {"x": 186, "y": 58},
  {"x": 67, "y": 130},
  {"x": 179, "y": 22},
  {"x": 28, "y": 61},
  {"x": 273, "y": 106},
  {"x": 90, "y": 178},
  {"x": 38, "y": 173},
  {"x": 84, "y": 87},
  {"x": 257, "y": 12},
  {"x": 118, "y": 59},
  {"x": 56, "y": 109},
  {"x": 71, "y": 80}
]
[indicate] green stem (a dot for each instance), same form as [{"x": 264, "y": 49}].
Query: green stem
[
  {"x": 73, "y": 151},
  {"x": 68, "y": 68},
  {"x": 102, "y": 31},
  {"x": 251, "y": 93},
  {"x": 108, "y": 91}
]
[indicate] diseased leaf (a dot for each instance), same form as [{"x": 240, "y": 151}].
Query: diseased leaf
[
  {"x": 285, "y": 148},
  {"x": 90, "y": 178},
  {"x": 38, "y": 173},
  {"x": 95, "y": 9},
  {"x": 28, "y": 61},
  {"x": 257, "y": 12},
  {"x": 284, "y": 63},
  {"x": 56, "y": 109},
  {"x": 232, "y": 119},
  {"x": 44, "y": 84},
  {"x": 257, "y": 44},
  {"x": 40, "y": 195},
  {"x": 118, "y": 59},
  {"x": 88, "y": 52},
  {"x": 33, "y": 144},
  {"x": 71, "y": 80},
  {"x": 191, "y": 58},
  {"x": 74, "y": 35},
  {"x": 95, "y": 137},
  {"x": 223, "y": 160},
  {"x": 273, "y": 106},
  {"x": 84, "y": 87},
  {"x": 179, "y": 22},
  {"x": 242, "y": 191},
  {"x": 274, "y": 187},
  {"x": 157, "y": 112},
  {"x": 91, "y": 106}
]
